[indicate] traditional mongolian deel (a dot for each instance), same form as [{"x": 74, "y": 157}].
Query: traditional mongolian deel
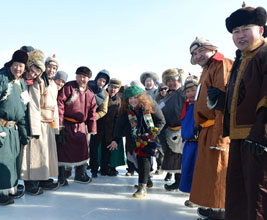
[
  {"x": 77, "y": 115},
  {"x": 208, "y": 186},
  {"x": 13, "y": 126},
  {"x": 39, "y": 157}
]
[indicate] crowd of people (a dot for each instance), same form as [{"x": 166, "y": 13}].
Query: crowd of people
[{"x": 209, "y": 133}]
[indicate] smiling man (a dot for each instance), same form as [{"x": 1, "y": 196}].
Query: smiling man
[
  {"x": 208, "y": 186},
  {"x": 246, "y": 117}
]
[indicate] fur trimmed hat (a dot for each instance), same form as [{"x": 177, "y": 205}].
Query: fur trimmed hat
[
  {"x": 190, "y": 81},
  {"x": 36, "y": 58},
  {"x": 149, "y": 74},
  {"x": 51, "y": 60},
  {"x": 61, "y": 75},
  {"x": 115, "y": 82},
  {"x": 83, "y": 70},
  {"x": 174, "y": 73},
  {"x": 132, "y": 91},
  {"x": 200, "y": 42},
  {"x": 245, "y": 16}
]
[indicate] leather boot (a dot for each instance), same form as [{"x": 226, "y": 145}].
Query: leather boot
[
  {"x": 62, "y": 176},
  {"x": 141, "y": 192},
  {"x": 175, "y": 185},
  {"x": 81, "y": 175}
]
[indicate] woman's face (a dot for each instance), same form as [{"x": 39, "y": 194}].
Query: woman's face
[
  {"x": 149, "y": 83},
  {"x": 60, "y": 83},
  {"x": 133, "y": 101}
]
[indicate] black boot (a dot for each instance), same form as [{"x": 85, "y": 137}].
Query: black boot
[
  {"x": 210, "y": 213},
  {"x": 6, "y": 200},
  {"x": 49, "y": 184},
  {"x": 62, "y": 179},
  {"x": 175, "y": 185},
  {"x": 81, "y": 175},
  {"x": 20, "y": 192},
  {"x": 168, "y": 177},
  {"x": 33, "y": 188}
]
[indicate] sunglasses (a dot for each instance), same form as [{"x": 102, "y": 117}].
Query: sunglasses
[{"x": 163, "y": 89}]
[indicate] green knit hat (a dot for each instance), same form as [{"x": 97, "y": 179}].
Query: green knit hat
[{"x": 132, "y": 91}]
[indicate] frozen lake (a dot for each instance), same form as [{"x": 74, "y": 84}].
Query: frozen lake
[{"x": 105, "y": 198}]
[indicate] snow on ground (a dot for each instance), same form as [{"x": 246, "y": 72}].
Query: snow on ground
[{"x": 105, "y": 198}]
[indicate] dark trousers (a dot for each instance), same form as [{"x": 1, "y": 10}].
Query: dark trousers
[
  {"x": 105, "y": 157},
  {"x": 94, "y": 143},
  {"x": 246, "y": 184},
  {"x": 144, "y": 165},
  {"x": 131, "y": 166}
]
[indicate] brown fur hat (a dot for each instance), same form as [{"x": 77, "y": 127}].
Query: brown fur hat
[{"x": 174, "y": 73}]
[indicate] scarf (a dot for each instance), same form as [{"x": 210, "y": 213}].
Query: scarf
[{"x": 142, "y": 139}]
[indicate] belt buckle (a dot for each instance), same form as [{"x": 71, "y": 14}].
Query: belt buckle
[{"x": 10, "y": 124}]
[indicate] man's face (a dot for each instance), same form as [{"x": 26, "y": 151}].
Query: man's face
[
  {"x": 33, "y": 73},
  {"x": 163, "y": 91},
  {"x": 82, "y": 80},
  {"x": 17, "y": 69},
  {"x": 113, "y": 90},
  {"x": 50, "y": 70},
  {"x": 101, "y": 82},
  {"x": 149, "y": 83},
  {"x": 173, "y": 84},
  {"x": 60, "y": 83},
  {"x": 245, "y": 35},
  {"x": 201, "y": 55}
]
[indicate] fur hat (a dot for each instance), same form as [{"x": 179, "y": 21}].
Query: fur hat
[
  {"x": 83, "y": 70},
  {"x": 115, "y": 82},
  {"x": 190, "y": 81},
  {"x": 18, "y": 56},
  {"x": 36, "y": 57},
  {"x": 61, "y": 75},
  {"x": 52, "y": 60},
  {"x": 27, "y": 49},
  {"x": 174, "y": 73},
  {"x": 132, "y": 91},
  {"x": 245, "y": 16},
  {"x": 149, "y": 74},
  {"x": 200, "y": 42}
]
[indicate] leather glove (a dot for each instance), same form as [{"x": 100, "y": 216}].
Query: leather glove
[
  {"x": 35, "y": 136},
  {"x": 61, "y": 138},
  {"x": 24, "y": 140},
  {"x": 197, "y": 132},
  {"x": 213, "y": 94},
  {"x": 255, "y": 148}
]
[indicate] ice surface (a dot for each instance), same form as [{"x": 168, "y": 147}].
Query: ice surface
[{"x": 105, "y": 198}]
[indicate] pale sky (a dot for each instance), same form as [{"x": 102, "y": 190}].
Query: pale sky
[{"x": 126, "y": 37}]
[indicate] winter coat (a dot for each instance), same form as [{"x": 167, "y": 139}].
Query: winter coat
[
  {"x": 123, "y": 127},
  {"x": 11, "y": 109},
  {"x": 77, "y": 112},
  {"x": 208, "y": 186},
  {"x": 39, "y": 157}
]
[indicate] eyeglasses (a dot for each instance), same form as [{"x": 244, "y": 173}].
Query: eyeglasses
[{"x": 163, "y": 89}]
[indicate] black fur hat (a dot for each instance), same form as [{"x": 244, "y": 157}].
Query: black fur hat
[
  {"x": 83, "y": 70},
  {"x": 245, "y": 16}
]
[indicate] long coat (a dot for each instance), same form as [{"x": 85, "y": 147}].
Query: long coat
[
  {"x": 172, "y": 110},
  {"x": 80, "y": 106},
  {"x": 208, "y": 186},
  {"x": 11, "y": 109},
  {"x": 39, "y": 157}
]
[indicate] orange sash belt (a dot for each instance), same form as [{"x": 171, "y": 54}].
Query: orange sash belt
[
  {"x": 71, "y": 119},
  {"x": 207, "y": 123},
  {"x": 175, "y": 128}
]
